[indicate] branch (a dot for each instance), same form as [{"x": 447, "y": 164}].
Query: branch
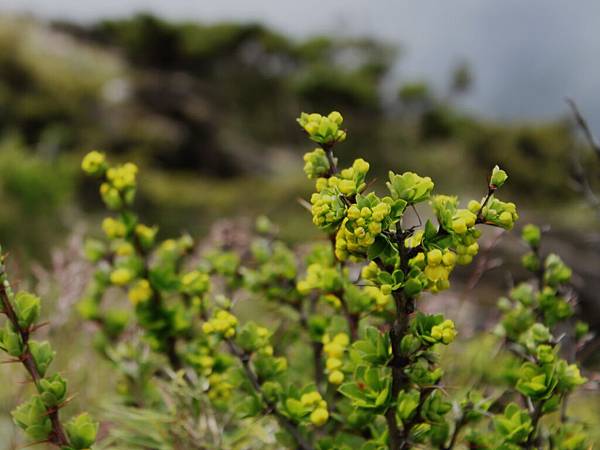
[
  {"x": 579, "y": 173},
  {"x": 404, "y": 307},
  {"x": 460, "y": 423},
  {"x": 317, "y": 347},
  {"x": 535, "y": 419},
  {"x": 582, "y": 123},
  {"x": 284, "y": 421}
]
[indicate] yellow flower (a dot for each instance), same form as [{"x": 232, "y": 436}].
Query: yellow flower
[
  {"x": 141, "y": 292},
  {"x": 319, "y": 417},
  {"x": 94, "y": 163},
  {"x": 121, "y": 276},
  {"x": 336, "y": 377},
  {"x": 114, "y": 228}
]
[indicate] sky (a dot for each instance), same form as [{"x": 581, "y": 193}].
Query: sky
[{"x": 526, "y": 55}]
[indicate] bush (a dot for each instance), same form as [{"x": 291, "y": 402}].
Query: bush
[{"x": 185, "y": 356}]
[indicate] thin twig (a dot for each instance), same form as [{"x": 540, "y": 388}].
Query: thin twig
[
  {"x": 579, "y": 174},
  {"x": 284, "y": 421}
]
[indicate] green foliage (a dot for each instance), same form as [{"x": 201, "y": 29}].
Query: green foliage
[
  {"x": 544, "y": 379},
  {"x": 183, "y": 353},
  {"x": 39, "y": 416},
  {"x": 179, "y": 307}
]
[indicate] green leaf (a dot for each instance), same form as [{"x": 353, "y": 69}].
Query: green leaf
[
  {"x": 430, "y": 230},
  {"x": 27, "y": 309},
  {"x": 82, "y": 431},
  {"x": 42, "y": 354},
  {"x": 352, "y": 391},
  {"x": 377, "y": 248}
]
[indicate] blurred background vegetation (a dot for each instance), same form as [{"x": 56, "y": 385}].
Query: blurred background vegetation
[{"x": 208, "y": 111}]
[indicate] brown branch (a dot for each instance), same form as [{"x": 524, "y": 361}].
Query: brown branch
[
  {"x": 579, "y": 173},
  {"x": 404, "y": 307},
  {"x": 582, "y": 123},
  {"x": 535, "y": 419},
  {"x": 490, "y": 193}
]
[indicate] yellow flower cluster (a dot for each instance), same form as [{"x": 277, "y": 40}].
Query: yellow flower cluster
[
  {"x": 319, "y": 415},
  {"x": 327, "y": 209},
  {"x": 359, "y": 230},
  {"x": 220, "y": 387},
  {"x": 140, "y": 292},
  {"x": 503, "y": 214},
  {"x": 323, "y": 129},
  {"x": 122, "y": 248},
  {"x": 123, "y": 176},
  {"x": 334, "y": 350},
  {"x": 121, "y": 276},
  {"x": 195, "y": 282},
  {"x": 200, "y": 356},
  {"x": 119, "y": 188},
  {"x": 437, "y": 265},
  {"x": 316, "y": 163},
  {"x": 206, "y": 364},
  {"x": 114, "y": 228},
  {"x": 146, "y": 235},
  {"x": 466, "y": 252},
  {"x": 445, "y": 332},
  {"x": 332, "y": 300},
  {"x": 350, "y": 180},
  {"x": 326, "y": 279},
  {"x": 223, "y": 323},
  {"x": 381, "y": 296},
  {"x": 463, "y": 220},
  {"x": 94, "y": 163},
  {"x": 370, "y": 271}
]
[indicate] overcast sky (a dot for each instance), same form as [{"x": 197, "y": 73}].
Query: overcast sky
[{"x": 527, "y": 55}]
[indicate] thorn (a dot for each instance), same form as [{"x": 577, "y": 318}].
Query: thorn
[
  {"x": 11, "y": 361},
  {"x": 36, "y": 327},
  {"x": 304, "y": 204},
  {"x": 66, "y": 401},
  {"x": 45, "y": 441}
]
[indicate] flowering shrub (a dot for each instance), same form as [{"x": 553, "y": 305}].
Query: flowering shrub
[{"x": 375, "y": 381}]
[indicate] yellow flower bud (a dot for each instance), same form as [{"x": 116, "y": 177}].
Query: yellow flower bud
[
  {"x": 360, "y": 165},
  {"x": 335, "y": 117},
  {"x": 141, "y": 292},
  {"x": 114, "y": 228},
  {"x": 459, "y": 226},
  {"x": 334, "y": 350},
  {"x": 434, "y": 257},
  {"x": 319, "y": 417},
  {"x": 336, "y": 377},
  {"x": 94, "y": 163},
  {"x": 333, "y": 363},
  {"x": 353, "y": 212},
  {"x": 474, "y": 206},
  {"x": 473, "y": 249},
  {"x": 449, "y": 258},
  {"x": 121, "y": 276},
  {"x": 347, "y": 187},
  {"x": 310, "y": 398},
  {"x": 342, "y": 338}
]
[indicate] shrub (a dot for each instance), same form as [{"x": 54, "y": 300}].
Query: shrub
[{"x": 351, "y": 303}]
